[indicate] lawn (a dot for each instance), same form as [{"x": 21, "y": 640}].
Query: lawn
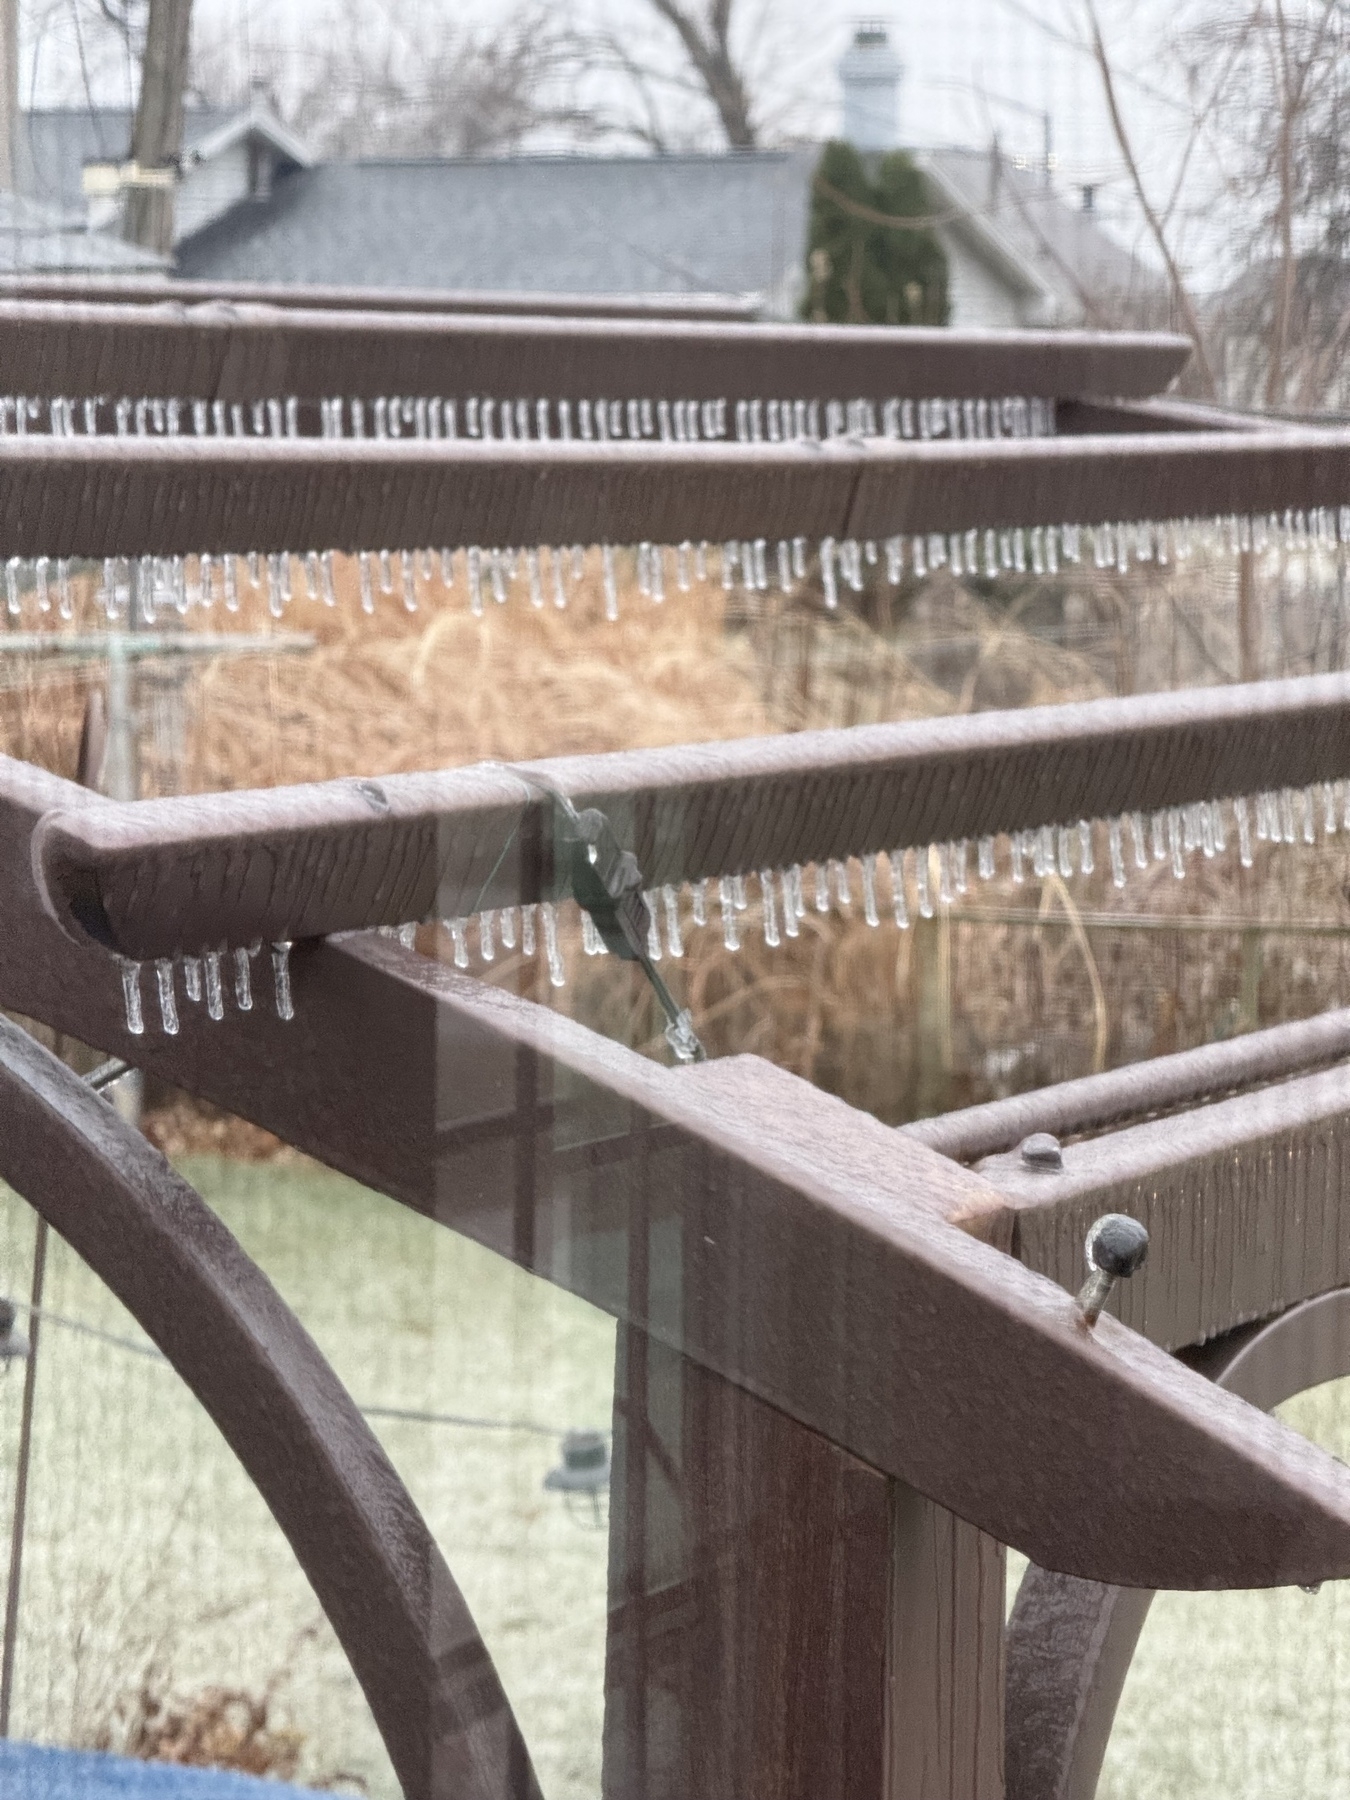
[{"x": 152, "y": 1567}]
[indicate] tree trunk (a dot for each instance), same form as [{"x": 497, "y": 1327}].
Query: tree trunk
[{"x": 157, "y": 137}]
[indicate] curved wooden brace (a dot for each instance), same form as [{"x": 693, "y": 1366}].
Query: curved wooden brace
[
  {"x": 374, "y": 1566},
  {"x": 1070, "y": 1642}
]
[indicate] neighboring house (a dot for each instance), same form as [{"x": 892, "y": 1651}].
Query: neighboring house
[
  {"x": 728, "y": 224},
  {"x": 252, "y": 207},
  {"x": 229, "y": 156},
  {"x": 40, "y": 240}
]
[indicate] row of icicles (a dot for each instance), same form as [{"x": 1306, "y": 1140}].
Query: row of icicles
[
  {"x": 917, "y": 881},
  {"x": 438, "y": 419},
  {"x": 146, "y": 586}
]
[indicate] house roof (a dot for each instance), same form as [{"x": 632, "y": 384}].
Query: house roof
[
  {"x": 721, "y": 224},
  {"x": 38, "y": 239},
  {"x": 1039, "y": 243},
  {"x": 56, "y": 142}
]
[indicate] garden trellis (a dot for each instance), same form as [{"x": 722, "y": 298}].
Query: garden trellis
[{"x": 849, "y": 1371}]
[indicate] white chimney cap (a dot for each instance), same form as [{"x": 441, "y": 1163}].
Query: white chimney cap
[{"x": 870, "y": 72}]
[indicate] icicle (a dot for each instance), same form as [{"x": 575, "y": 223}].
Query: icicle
[
  {"x": 274, "y": 604},
  {"x": 487, "y": 947},
  {"x": 192, "y": 978},
  {"x": 168, "y": 1004},
  {"x": 1287, "y": 814},
  {"x": 591, "y": 941},
  {"x": 789, "y": 898},
  {"x": 243, "y": 980},
  {"x": 670, "y": 904},
  {"x": 1328, "y": 809},
  {"x": 40, "y": 577},
  {"x": 1065, "y": 851},
  {"x": 1043, "y": 852},
  {"x": 822, "y": 893},
  {"x": 731, "y": 934},
  {"x": 497, "y": 575},
  {"x": 1207, "y": 845},
  {"x": 1018, "y": 872},
  {"x": 230, "y": 583},
  {"x": 527, "y": 930},
  {"x": 1174, "y": 843},
  {"x": 827, "y": 575},
  {"x": 367, "y": 587},
  {"x": 1157, "y": 830},
  {"x": 65, "y": 603},
  {"x": 459, "y": 941},
  {"x": 738, "y": 893},
  {"x": 1113, "y": 833},
  {"x": 960, "y": 854},
  {"x": 1217, "y": 826},
  {"x": 869, "y": 889},
  {"x": 611, "y": 589},
  {"x": 1309, "y": 818},
  {"x": 653, "y": 926},
  {"x": 944, "y": 875},
  {"x": 895, "y": 860},
  {"x": 770, "y": 909},
  {"x": 1086, "y": 860},
  {"x": 844, "y": 894},
  {"x": 698, "y": 900},
  {"x": 922, "y": 870},
  {"x": 408, "y": 577},
  {"x": 131, "y": 997},
  {"x": 215, "y": 1001},
  {"x": 985, "y": 859},
  {"x": 12, "y": 567},
  {"x": 281, "y": 980},
  {"x": 1139, "y": 840}
]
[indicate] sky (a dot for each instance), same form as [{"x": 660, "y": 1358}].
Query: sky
[{"x": 973, "y": 69}]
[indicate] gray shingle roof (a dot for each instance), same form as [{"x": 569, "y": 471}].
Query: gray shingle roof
[
  {"x": 722, "y": 224},
  {"x": 37, "y": 239}
]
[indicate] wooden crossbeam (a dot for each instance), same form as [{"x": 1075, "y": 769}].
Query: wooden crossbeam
[
  {"x": 97, "y": 497},
  {"x": 240, "y": 352},
  {"x": 839, "y": 1269},
  {"x": 163, "y": 877}
]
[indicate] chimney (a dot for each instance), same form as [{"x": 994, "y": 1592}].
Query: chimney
[{"x": 869, "y": 73}]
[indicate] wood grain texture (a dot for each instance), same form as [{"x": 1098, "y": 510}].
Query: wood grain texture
[
  {"x": 1244, "y": 1201},
  {"x": 239, "y": 351},
  {"x": 945, "y": 1687},
  {"x": 1131, "y": 1093},
  {"x": 167, "y": 875},
  {"x": 748, "y": 1579},
  {"x": 135, "y": 496}
]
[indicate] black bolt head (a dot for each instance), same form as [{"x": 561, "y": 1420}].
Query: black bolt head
[
  {"x": 1041, "y": 1151},
  {"x": 1117, "y": 1245}
]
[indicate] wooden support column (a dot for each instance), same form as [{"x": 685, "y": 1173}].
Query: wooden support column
[{"x": 786, "y": 1623}]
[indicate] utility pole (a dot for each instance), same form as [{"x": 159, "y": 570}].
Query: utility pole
[
  {"x": 9, "y": 95},
  {"x": 157, "y": 136}
]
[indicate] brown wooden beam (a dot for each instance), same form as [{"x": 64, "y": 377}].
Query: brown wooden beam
[
  {"x": 97, "y": 497},
  {"x": 238, "y": 351},
  {"x": 163, "y": 876}
]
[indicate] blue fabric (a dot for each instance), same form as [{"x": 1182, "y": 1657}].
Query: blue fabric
[{"x": 35, "y": 1772}]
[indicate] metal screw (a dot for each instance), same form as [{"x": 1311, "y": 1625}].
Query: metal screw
[
  {"x": 1116, "y": 1249},
  {"x": 1041, "y": 1151}
]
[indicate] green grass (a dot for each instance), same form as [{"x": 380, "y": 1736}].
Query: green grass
[
  {"x": 149, "y": 1554},
  {"x": 147, "y": 1548}
]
